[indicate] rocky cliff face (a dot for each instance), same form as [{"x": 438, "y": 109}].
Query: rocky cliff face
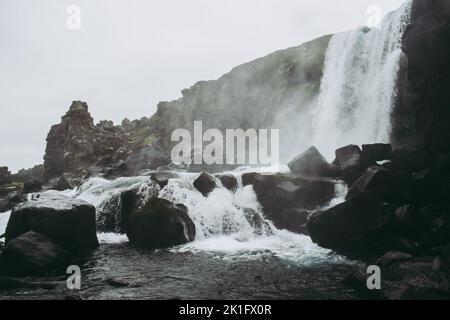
[
  {"x": 421, "y": 119},
  {"x": 251, "y": 95}
]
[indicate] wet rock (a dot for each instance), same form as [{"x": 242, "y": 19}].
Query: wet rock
[
  {"x": 257, "y": 222},
  {"x": 249, "y": 178},
  {"x": 31, "y": 186},
  {"x": 310, "y": 162},
  {"x": 160, "y": 224},
  {"x": 351, "y": 163},
  {"x": 350, "y": 226},
  {"x": 205, "y": 183},
  {"x": 67, "y": 221},
  {"x": 278, "y": 192},
  {"x": 393, "y": 257},
  {"x": 294, "y": 220},
  {"x": 376, "y": 152},
  {"x": 32, "y": 254},
  {"x": 117, "y": 283},
  {"x": 163, "y": 177},
  {"x": 114, "y": 213},
  {"x": 375, "y": 179},
  {"x": 15, "y": 198},
  {"x": 229, "y": 182}
]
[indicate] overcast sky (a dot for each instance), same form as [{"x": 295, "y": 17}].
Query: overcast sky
[{"x": 130, "y": 54}]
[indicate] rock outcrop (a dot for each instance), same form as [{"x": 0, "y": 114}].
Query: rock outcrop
[{"x": 421, "y": 118}]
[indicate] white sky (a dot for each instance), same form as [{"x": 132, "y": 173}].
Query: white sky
[{"x": 130, "y": 54}]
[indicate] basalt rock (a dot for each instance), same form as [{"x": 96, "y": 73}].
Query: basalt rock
[
  {"x": 377, "y": 180},
  {"x": 310, "y": 162},
  {"x": 376, "y": 152},
  {"x": 351, "y": 163},
  {"x": 114, "y": 214},
  {"x": 163, "y": 177},
  {"x": 160, "y": 224},
  {"x": 279, "y": 192},
  {"x": 229, "y": 182},
  {"x": 350, "y": 226},
  {"x": 68, "y": 222},
  {"x": 205, "y": 183},
  {"x": 32, "y": 254}
]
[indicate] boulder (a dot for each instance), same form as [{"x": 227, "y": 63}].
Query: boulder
[
  {"x": 15, "y": 198},
  {"x": 113, "y": 215},
  {"x": 160, "y": 224},
  {"x": 32, "y": 254},
  {"x": 377, "y": 180},
  {"x": 205, "y": 183},
  {"x": 310, "y": 162},
  {"x": 162, "y": 177},
  {"x": 249, "y": 178},
  {"x": 278, "y": 192},
  {"x": 351, "y": 163},
  {"x": 376, "y": 152},
  {"x": 69, "y": 222},
  {"x": 349, "y": 226},
  {"x": 229, "y": 182}
]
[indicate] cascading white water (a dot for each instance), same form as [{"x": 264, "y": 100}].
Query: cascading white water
[
  {"x": 358, "y": 86},
  {"x": 220, "y": 219}
]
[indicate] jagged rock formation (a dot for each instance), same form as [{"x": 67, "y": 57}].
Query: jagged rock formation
[{"x": 76, "y": 143}]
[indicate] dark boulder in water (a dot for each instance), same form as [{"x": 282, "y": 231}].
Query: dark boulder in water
[
  {"x": 249, "y": 178},
  {"x": 32, "y": 254},
  {"x": 205, "y": 183},
  {"x": 229, "y": 182},
  {"x": 67, "y": 221},
  {"x": 376, "y": 152},
  {"x": 162, "y": 177},
  {"x": 310, "y": 162},
  {"x": 114, "y": 213},
  {"x": 294, "y": 220},
  {"x": 351, "y": 163},
  {"x": 160, "y": 224},
  {"x": 278, "y": 192},
  {"x": 349, "y": 226},
  {"x": 377, "y": 180}
]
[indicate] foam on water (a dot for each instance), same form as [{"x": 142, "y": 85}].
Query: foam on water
[{"x": 4, "y": 217}]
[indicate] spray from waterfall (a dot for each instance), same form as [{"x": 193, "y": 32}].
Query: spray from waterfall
[{"x": 358, "y": 86}]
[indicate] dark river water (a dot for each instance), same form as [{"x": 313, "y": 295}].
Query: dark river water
[{"x": 118, "y": 271}]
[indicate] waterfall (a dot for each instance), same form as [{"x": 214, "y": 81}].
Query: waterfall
[{"x": 358, "y": 86}]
